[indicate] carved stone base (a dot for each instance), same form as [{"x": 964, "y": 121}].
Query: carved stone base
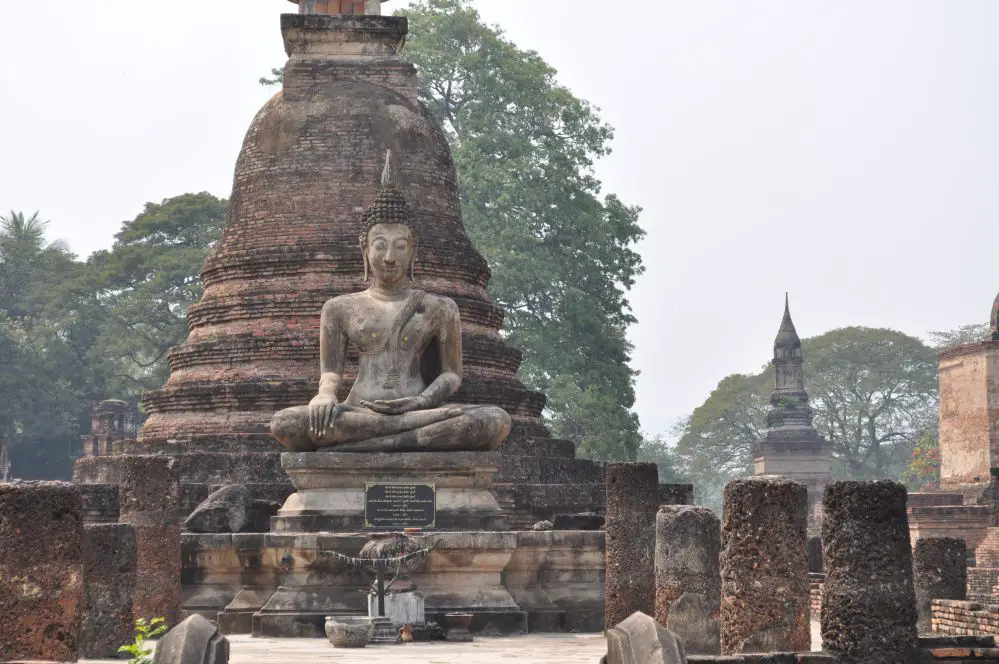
[
  {"x": 330, "y": 489},
  {"x": 511, "y": 582}
]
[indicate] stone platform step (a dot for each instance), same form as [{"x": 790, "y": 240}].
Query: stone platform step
[
  {"x": 549, "y": 470},
  {"x": 526, "y": 504}
]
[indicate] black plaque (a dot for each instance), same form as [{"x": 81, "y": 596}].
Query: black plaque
[{"x": 396, "y": 506}]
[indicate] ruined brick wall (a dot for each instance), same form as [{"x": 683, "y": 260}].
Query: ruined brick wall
[
  {"x": 815, "y": 596},
  {"x": 969, "y": 414},
  {"x": 965, "y": 617}
]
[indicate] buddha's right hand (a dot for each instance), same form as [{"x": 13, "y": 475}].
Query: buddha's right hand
[{"x": 322, "y": 409}]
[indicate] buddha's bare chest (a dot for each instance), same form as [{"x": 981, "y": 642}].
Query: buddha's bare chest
[{"x": 379, "y": 328}]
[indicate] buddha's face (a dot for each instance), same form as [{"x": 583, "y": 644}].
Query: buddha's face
[{"x": 390, "y": 250}]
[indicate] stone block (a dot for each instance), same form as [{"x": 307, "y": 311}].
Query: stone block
[
  {"x": 868, "y": 603},
  {"x": 764, "y": 570},
  {"x": 100, "y": 502},
  {"x": 405, "y": 608},
  {"x": 630, "y": 540},
  {"x": 194, "y": 641},
  {"x": 688, "y": 581},
  {"x": 109, "y": 569},
  {"x": 940, "y": 571},
  {"x": 150, "y": 496},
  {"x": 639, "y": 639},
  {"x": 41, "y": 571},
  {"x": 228, "y": 510}
]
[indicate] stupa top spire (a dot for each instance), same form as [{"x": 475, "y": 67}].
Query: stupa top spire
[
  {"x": 335, "y": 7},
  {"x": 787, "y": 336}
]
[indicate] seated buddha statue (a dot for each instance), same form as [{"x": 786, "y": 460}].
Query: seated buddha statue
[{"x": 409, "y": 343}]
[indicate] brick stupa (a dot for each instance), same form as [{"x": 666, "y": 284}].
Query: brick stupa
[{"x": 310, "y": 163}]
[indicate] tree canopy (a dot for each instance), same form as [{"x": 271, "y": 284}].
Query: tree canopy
[
  {"x": 561, "y": 252},
  {"x": 73, "y": 333}
]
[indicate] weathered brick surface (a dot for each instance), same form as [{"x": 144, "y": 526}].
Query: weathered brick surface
[
  {"x": 688, "y": 580},
  {"x": 100, "y": 502},
  {"x": 150, "y": 495},
  {"x": 630, "y": 540},
  {"x": 868, "y": 579},
  {"x": 764, "y": 570},
  {"x": 940, "y": 571},
  {"x": 109, "y": 573},
  {"x": 964, "y": 617},
  {"x": 41, "y": 575},
  {"x": 969, "y": 414},
  {"x": 815, "y": 597}
]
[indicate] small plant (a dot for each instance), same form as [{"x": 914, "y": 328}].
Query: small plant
[{"x": 144, "y": 630}]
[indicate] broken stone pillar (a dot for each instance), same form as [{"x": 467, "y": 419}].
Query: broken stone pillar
[
  {"x": 764, "y": 595},
  {"x": 868, "y": 603},
  {"x": 109, "y": 560},
  {"x": 194, "y": 641},
  {"x": 639, "y": 639},
  {"x": 41, "y": 575},
  {"x": 149, "y": 491},
  {"x": 630, "y": 540},
  {"x": 940, "y": 571},
  {"x": 688, "y": 582}
]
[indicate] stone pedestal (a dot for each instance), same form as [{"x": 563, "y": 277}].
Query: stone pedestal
[
  {"x": 330, "y": 489},
  {"x": 511, "y": 582}
]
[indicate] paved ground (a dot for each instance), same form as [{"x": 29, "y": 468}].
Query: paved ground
[{"x": 533, "y": 649}]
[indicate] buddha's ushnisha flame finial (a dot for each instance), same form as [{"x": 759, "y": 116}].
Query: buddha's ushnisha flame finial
[
  {"x": 387, "y": 174},
  {"x": 389, "y": 207}
]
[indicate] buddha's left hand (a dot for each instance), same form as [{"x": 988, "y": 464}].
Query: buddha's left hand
[{"x": 396, "y": 406}]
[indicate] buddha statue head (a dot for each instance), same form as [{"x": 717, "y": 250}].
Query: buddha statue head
[{"x": 387, "y": 242}]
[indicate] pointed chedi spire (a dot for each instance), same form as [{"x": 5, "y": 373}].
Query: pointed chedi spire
[{"x": 787, "y": 336}]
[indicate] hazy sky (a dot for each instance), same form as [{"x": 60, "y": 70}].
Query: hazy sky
[{"x": 845, "y": 151}]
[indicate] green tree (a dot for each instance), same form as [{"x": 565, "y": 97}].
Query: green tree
[
  {"x": 874, "y": 393},
  {"x": 561, "y": 252},
  {"x": 44, "y": 376},
  {"x": 144, "y": 285},
  {"x": 657, "y": 450}
]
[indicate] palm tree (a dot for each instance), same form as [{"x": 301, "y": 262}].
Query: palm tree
[{"x": 22, "y": 243}]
